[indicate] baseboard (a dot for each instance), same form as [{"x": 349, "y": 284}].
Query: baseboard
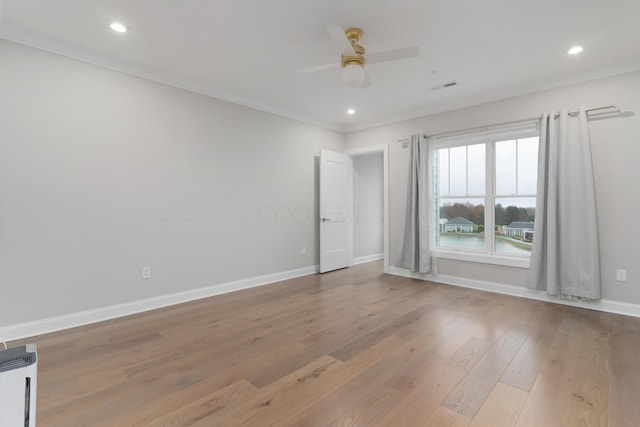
[
  {"x": 58, "y": 323},
  {"x": 368, "y": 258},
  {"x": 608, "y": 306}
]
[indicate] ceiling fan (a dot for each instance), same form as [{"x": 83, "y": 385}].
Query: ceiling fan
[{"x": 353, "y": 56}]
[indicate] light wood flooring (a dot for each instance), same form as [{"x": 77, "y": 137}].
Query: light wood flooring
[{"x": 353, "y": 347}]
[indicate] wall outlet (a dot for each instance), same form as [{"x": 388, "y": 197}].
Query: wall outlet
[
  {"x": 621, "y": 275},
  {"x": 303, "y": 250},
  {"x": 146, "y": 272}
]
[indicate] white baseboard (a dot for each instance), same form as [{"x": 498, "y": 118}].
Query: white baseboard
[
  {"x": 368, "y": 258},
  {"x": 57, "y": 323},
  {"x": 608, "y": 306},
  {"x": 72, "y": 320}
]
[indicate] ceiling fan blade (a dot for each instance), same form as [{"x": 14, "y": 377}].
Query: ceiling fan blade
[
  {"x": 318, "y": 68},
  {"x": 366, "y": 82},
  {"x": 393, "y": 55},
  {"x": 336, "y": 32}
]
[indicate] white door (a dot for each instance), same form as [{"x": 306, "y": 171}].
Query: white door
[{"x": 336, "y": 222}]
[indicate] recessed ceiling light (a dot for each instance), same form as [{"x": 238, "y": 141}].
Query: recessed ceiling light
[
  {"x": 574, "y": 50},
  {"x": 351, "y": 111},
  {"x": 118, "y": 27}
]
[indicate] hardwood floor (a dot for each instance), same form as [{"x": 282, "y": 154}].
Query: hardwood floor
[{"x": 350, "y": 348}]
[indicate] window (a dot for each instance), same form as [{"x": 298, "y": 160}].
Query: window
[{"x": 474, "y": 172}]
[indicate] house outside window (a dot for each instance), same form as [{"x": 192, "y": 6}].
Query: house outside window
[
  {"x": 519, "y": 228},
  {"x": 458, "y": 225},
  {"x": 485, "y": 182}
]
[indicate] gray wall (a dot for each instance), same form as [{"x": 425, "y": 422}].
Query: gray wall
[
  {"x": 102, "y": 173},
  {"x": 616, "y": 150},
  {"x": 368, "y": 201}
]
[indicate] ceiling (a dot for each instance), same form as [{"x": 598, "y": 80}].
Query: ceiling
[{"x": 249, "y": 51}]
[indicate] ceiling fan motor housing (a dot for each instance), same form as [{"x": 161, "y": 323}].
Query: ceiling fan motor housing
[
  {"x": 352, "y": 60},
  {"x": 354, "y": 34}
]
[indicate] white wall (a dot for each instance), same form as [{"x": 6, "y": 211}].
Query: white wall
[
  {"x": 616, "y": 150},
  {"x": 102, "y": 173},
  {"x": 368, "y": 201}
]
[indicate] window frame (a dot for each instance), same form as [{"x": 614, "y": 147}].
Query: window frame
[{"x": 489, "y": 138}]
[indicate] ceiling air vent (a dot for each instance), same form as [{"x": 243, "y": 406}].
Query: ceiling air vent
[{"x": 444, "y": 85}]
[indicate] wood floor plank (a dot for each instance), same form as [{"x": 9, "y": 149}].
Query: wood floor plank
[
  {"x": 502, "y": 407},
  {"x": 366, "y": 412},
  {"x": 355, "y": 402},
  {"x": 274, "y": 400},
  {"x": 625, "y": 324},
  {"x": 547, "y": 400},
  {"x": 422, "y": 400},
  {"x": 469, "y": 395},
  {"x": 416, "y": 371},
  {"x": 469, "y": 354},
  {"x": 589, "y": 401},
  {"x": 624, "y": 410},
  {"x": 444, "y": 417},
  {"x": 107, "y": 402},
  {"x": 362, "y": 343},
  {"x": 443, "y": 338},
  {"x": 272, "y": 366},
  {"x": 190, "y": 411},
  {"x": 525, "y": 366}
]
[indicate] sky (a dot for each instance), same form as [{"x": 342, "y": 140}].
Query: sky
[{"x": 516, "y": 163}]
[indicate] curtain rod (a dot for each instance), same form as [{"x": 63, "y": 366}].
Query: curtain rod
[{"x": 506, "y": 124}]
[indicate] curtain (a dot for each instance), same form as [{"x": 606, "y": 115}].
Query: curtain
[
  {"x": 413, "y": 252},
  {"x": 565, "y": 259}
]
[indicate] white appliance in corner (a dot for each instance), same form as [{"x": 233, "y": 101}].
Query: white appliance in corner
[{"x": 18, "y": 384}]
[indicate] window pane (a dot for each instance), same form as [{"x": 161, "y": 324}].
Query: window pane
[
  {"x": 476, "y": 169},
  {"x": 443, "y": 172},
  {"x": 458, "y": 171},
  {"x": 527, "y": 165},
  {"x": 461, "y": 224},
  {"x": 514, "y": 225},
  {"x": 506, "y": 162}
]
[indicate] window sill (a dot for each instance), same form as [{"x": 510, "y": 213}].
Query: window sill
[{"x": 509, "y": 261}]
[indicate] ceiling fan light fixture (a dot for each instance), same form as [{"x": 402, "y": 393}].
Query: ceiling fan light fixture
[
  {"x": 575, "y": 50},
  {"x": 352, "y": 74},
  {"x": 118, "y": 27}
]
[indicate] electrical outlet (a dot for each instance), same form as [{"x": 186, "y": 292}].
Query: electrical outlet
[
  {"x": 303, "y": 250},
  {"x": 621, "y": 275},
  {"x": 146, "y": 272}
]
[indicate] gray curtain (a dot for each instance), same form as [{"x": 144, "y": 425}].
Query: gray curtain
[
  {"x": 565, "y": 259},
  {"x": 413, "y": 252}
]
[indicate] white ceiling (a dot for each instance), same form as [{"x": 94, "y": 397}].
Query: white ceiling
[{"x": 248, "y": 51}]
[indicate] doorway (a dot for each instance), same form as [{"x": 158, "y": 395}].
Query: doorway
[{"x": 370, "y": 204}]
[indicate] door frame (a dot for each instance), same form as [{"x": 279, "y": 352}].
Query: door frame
[{"x": 384, "y": 149}]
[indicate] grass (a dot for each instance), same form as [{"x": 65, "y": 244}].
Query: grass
[{"x": 517, "y": 243}]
